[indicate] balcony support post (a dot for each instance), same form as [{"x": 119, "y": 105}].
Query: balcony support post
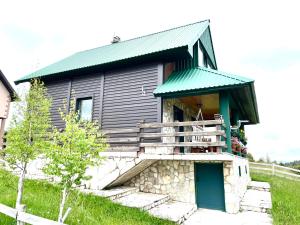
[{"x": 225, "y": 112}]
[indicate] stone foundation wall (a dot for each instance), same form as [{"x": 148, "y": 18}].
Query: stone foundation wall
[
  {"x": 176, "y": 178},
  {"x": 168, "y": 116},
  {"x": 235, "y": 185},
  {"x": 172, "y": 177}
]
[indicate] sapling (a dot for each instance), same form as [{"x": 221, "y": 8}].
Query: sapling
[
  {"x": 29, "y": 132},
  {"x": 73, "y": 150}
]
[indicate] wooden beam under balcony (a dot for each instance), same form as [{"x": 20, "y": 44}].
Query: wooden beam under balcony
[
  {"x": 179, "y": 124},
  {"x": 186, "y": 133},
  {"x": 185, "y": 144}
]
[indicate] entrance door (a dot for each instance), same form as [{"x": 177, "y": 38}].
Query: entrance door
[
  {"x": 178, "y": 116},
  {"x": 209, "y": 182}
]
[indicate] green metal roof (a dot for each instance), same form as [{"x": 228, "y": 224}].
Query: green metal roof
[
  {"x": 197, "y": 80},
  {"x": 184, "y": 36}
]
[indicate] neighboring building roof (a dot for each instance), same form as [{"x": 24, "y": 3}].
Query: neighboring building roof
[
  {"x": 176, "y": 38},
  {"x": 8, "y": 86},
  {"x": 196, "y": 81}
]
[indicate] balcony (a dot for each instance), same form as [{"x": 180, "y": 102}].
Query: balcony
[{"x": 194, "y": 137}]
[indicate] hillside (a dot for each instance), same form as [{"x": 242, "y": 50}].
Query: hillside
[
  {"x": 42, "y": 199},
  {"x": 285, "y": 199}
]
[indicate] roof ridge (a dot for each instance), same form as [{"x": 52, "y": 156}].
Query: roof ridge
[
  {"x": 221, "y": 74},
  {"x": 174, "y": 28}
]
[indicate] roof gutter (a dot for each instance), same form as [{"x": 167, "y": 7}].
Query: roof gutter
[{"x": 185, "y": 93}]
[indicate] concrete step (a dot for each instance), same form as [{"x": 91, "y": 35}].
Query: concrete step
[
  {"x": 255, "y": 218},
  {"x": 174, "y": 211},
  {"x": 113, "y": 193},
  {"x": 257, "y": 201},
  {"x": 213, "y": 217},
  {"x": 144, "y": 201},
  {"x": 260, "y": 186}
]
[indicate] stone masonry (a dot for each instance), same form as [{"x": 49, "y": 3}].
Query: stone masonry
[{"x": 176, "y": 178}]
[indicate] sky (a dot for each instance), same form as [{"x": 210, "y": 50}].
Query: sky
[{"x": 257, "y": 39}]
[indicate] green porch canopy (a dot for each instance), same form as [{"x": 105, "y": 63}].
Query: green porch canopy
[{"x": 199, "y": 81}]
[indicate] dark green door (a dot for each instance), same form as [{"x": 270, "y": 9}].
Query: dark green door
[{"x": 210, "y": 186}]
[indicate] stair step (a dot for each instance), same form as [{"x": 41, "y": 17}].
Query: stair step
[
  {"x": 174, "y": 211},
  {"x": 114, "y": 193},
  {"x": 260, "y": 186},
  {"x": 257, "y": 201},
  {"x": 246, "y": 218},
  {"x": 144, "y": 201}
]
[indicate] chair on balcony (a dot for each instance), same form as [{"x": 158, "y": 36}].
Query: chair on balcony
[{"x": 200, "y": 138}]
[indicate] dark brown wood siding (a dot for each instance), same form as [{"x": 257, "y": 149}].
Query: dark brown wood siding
[
  {"x": 123, "y": 104},
  {"x": 88, "y": 86},
  {"x": 58, "y": 91}
]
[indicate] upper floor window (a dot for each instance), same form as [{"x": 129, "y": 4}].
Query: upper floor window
[
  {"x": 202, "y": 58},
  {"x": 84, "y": 106}
]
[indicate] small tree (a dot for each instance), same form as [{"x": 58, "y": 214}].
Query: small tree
[
  {"x": 73, "y": 150},
  {"x": 29, "y": 131}
]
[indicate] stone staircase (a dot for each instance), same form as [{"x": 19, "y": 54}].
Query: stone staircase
[
  {"x": 156, "y": 204},
  {"x": 144, "y": 201},
  {"x": 257, "y": 198},
  {"x": 255, "y": 204},
  {"x": 174, "y": 211},
  {"x": 113, "y": 194}
]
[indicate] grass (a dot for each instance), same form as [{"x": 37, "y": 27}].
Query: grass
[
  {"x": 285, "y": 198},
  {"x": 42, "y": 199}
]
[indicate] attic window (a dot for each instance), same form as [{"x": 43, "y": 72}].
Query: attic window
[
  {"x": 84, "y": 106},
  {"x": 202, "y": 57}
]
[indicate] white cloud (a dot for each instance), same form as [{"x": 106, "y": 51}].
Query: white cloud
[{"x": 249, "y": 37}]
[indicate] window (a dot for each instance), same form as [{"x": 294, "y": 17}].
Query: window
[
  {"x": 84, "y": 106},
  {"x": 202, "y": 57},
  {"x": 240, "y": 172}
]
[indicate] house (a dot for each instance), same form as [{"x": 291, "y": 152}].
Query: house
[
  {"x": 7, "y": 94},
  {"x": 167, "y": 110}
]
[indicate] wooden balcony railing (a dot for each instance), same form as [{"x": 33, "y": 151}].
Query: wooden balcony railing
[{"x": 198, "y": 136}]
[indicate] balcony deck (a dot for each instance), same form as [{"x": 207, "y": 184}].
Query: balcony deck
[{"x": 199, "y": 137}]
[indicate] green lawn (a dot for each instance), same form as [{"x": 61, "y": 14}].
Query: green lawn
[
  {"x": 285, "y": 199},
  {"x": 42, "y": 199}
]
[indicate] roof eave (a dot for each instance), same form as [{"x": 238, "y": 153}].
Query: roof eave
[
  {"x": 253, "y": 95},
  {"x": 185, "y": 93},
  {"x": 10, "y": 89},
  {"x": 181, "y": 51}
]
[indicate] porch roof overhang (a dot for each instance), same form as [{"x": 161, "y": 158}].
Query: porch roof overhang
[{"x": 200, "y": 81}]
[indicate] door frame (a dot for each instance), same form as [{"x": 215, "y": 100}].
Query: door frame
[
  {"x": 196, "y": 189},
  {"x": 181, "y": 128}
]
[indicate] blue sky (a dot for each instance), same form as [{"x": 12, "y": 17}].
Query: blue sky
[{"x": 257, "y": 39}]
